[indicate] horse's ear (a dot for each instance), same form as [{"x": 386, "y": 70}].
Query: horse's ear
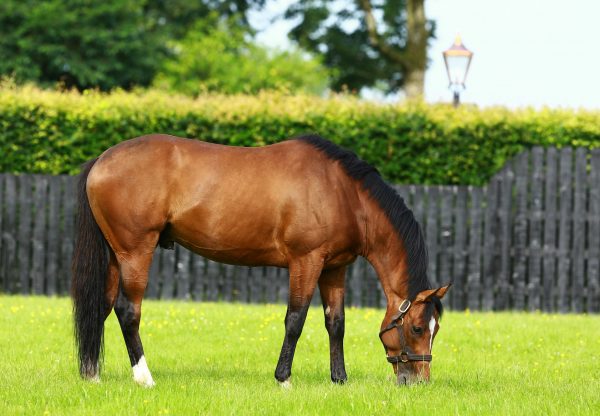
[{"x": 426, "y": 295}]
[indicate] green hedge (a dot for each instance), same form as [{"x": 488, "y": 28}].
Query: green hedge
[{"x": 51, "y": 132}]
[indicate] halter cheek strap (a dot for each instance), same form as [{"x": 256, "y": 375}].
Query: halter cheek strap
[{"x": 406, "y": 354}]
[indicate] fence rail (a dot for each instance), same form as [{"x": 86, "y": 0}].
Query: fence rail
[{"x": 529, "y": 240}]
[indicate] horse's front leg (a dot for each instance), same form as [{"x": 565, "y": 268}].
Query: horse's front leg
[
  {"x": 304, "y": 274},
  {"x": 331, "y": 286}
]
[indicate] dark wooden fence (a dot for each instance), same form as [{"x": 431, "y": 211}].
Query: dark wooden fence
[{"x": 529, "y": 240}]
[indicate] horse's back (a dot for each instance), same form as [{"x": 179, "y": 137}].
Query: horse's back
[{"x": 234, "y": 204}]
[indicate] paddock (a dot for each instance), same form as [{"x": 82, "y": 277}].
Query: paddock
[{"x": 484, "y": 363}]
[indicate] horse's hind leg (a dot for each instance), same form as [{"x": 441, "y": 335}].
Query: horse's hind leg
[
  {"x": 128, "y": 308},
  {"x": 331, "y": 286},
  {"x": 112, "y": 284}
]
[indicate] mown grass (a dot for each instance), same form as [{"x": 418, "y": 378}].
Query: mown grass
[{"x": 220, "y": 359}]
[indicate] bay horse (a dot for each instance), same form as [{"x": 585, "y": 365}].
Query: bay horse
[{"x": 304, "y": 204}]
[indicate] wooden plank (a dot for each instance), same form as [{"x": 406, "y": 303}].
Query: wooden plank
[
  {"x": 446, "y": 236},
  {"x": 228, "y": 282},
  {"x": 53, "y": 236},
  {"x": 593, "y": 284},
  {"x": 505, "y": 228},
  {"x": 578, "y": 251},
  {"x": 284, "y": 285},
  {"x": 371, "y": 286},
  {"x": 68, "y": 232},
  {"x": 229, "y": 277},
  {"x": 9, "y": 236},
  {"x": 153, "y": 288},
  {"x": 432, "y": 233},
  {"x": 167, "y": 273},
  {"x": 255, "y": 278},
  {"x": 564, "y": 231},
  {"x": 271, "y": 281},
  {"x": 535, "y": 230},
  {"x": 418, "y": 205},
  {"x": 355, "y": 283},
  {"x": 38, "y": 252},
  {"x": 458, "y": 292},
  {"x": 490, "y": 243},
  {"x": 243, "y": 281},
  {"x": 198, "y": 277},
  {"x": 182, "y": 291},
  {"x": 549, "y": 250},
  {"x": 473, "y": 292},
  {"x": 519, "y": 273},
  {"x": 213, "y": 270},
  {"x": 25, "y": 231},
  {"x": 404, "y": 192},
  {"x": 370, "y": 274}
]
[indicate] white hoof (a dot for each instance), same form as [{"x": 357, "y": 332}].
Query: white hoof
[
  {"x": 94, "y": 379},
  {"x": 141, "y": 374},
  {"x": 287, "y": 384}
]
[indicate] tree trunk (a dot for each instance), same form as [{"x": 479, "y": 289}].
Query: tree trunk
[
  {"x": 416, "y": 49},
  {"x": 414, "y": 82}
]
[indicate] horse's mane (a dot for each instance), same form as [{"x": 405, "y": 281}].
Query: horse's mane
[{"x": 390, "y": 202}]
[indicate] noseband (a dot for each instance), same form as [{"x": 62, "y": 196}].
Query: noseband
[{"x": 406, "y": 355}]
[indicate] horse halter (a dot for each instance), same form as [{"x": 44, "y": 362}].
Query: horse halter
[{"x": 405, "y": 355}]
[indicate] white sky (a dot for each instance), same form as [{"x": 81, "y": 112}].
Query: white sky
[{"x": 526, "y": 52}]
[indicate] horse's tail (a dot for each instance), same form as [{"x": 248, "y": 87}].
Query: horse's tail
[{"x": 90, "y": 270}]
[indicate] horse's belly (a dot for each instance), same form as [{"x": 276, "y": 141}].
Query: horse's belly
[
  {"x": 250, "y": 248},
  {"x": 241, "y": 257}
]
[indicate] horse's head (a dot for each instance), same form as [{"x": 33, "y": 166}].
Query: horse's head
[{"x": 408, "y": 333}]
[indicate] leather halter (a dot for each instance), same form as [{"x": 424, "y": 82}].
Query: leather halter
[{"x": 406, "y": 354}]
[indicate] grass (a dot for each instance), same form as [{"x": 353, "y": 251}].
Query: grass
[{"x": 220, "y": 359}]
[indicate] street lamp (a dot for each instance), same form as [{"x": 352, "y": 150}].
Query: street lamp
[{"x": 457, "y": 59}]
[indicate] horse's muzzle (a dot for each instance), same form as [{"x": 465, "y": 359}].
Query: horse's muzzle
[{"x": 405, "y": 378}]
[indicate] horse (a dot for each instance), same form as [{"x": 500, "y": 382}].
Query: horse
[{"x": 304, "y": 204}]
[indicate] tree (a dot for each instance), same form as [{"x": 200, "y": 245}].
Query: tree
[
  {"x": 370, "y": 43},
  {"x": 81, "y": 44},
  {"x": 100, "y": 44},
  {"x": 176, "y": 17},
  {"x": 216, "y": 56}
]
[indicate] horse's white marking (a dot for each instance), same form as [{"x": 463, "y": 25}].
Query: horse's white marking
[
  {"x": 287, "y": 384},
  {"x": 141, "y": 373},
  {"x": 431, "y": 329},
  {"x": 327, "y": 311}
]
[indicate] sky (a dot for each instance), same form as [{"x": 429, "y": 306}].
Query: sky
[{"x": 538, "y": 53}]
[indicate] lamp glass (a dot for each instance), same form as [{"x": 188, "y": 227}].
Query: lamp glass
[{"x": 457, "y": 66}]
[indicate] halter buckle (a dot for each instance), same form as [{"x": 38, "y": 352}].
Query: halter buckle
[
  {"x": 403, "y": 308},
  {"x": 403, "y": 357}
]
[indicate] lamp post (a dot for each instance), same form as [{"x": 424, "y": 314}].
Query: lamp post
[{"x": 457, "y": 59}]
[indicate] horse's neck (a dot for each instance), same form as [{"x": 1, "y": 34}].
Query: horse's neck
[{"x": 385, "y": 251}]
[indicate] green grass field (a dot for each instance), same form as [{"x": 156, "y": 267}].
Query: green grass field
[{"x": 220, "y": 359}]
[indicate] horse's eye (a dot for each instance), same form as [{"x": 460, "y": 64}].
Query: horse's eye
[{"x": 417, "y": 330}]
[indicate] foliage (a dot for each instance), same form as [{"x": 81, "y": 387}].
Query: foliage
[
  {"x": 369, "y": 43},
  {"x": 215, "y": 56},
  {"x": 217, "y": 359},
  {"x": 50, "y": 132},
  {"x": 176, "y": 17},
  {"x": 107, "y": 44},
  {"x": 81, "y": 44}
]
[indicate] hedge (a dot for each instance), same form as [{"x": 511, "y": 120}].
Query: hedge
[{"x": 54, "y": 132}]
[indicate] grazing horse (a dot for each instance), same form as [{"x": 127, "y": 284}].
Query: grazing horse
[{"x": 304, "y": 204}]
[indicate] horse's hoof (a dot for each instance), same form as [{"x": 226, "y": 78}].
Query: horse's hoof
[
  {"x": 286, "y": 384},
  {"x": 141, "y": 374},
  {"x": 93, "y": 379},
  {"x": 146, "y": 383}
]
